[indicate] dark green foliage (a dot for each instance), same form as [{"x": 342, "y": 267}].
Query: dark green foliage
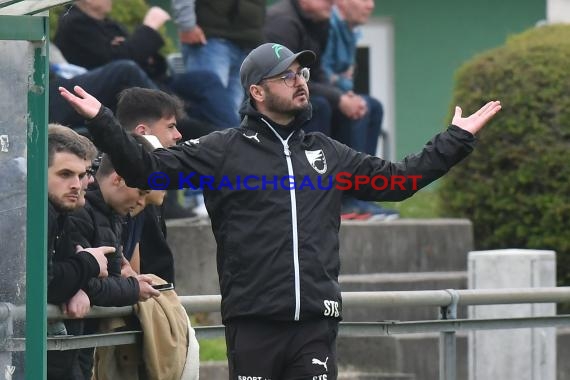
[
  {"x": 128, "y": 12},
  {"x": 515, "y": 187}
]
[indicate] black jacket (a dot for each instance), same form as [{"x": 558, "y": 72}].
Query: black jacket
[
  {"x": 97, "y": 225},
  {"x": 277, "y": 249},
  {"x": 240, "y": 21},
  {"x": 68, "y": 271},
  {"x": 87, "y": 42},
  {"x": 289, "y": 26},
  {"x": 148, "y": 229},
  {"x": 155, "y": 253}
]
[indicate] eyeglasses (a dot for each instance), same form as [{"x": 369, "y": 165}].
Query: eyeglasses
[
  {"x": 289, "y": 77},
  {"x": 90, "y": 171}
]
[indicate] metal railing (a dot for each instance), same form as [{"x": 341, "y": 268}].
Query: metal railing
[{"x": 446, "y": 300}]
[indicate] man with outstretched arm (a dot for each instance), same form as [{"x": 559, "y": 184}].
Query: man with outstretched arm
[{"x": 278, "y": 260}]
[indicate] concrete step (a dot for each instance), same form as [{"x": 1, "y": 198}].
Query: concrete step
[
  {"x": 400, "y": 282},
  {"x": 416, "y": 354},
  {"x": 406, "y": 245}
]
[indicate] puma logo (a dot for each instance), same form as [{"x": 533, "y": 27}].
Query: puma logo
[
  {"x": 318, "y": 362},
  {"x": 252, "y": 137}
]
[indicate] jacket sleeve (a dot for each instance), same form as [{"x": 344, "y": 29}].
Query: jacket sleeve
[
  {"x": 180, "y": 165},
  {"x": 80, "y": 229},
  {"x": 70, "y": 275},
  {"x": 82, "y": 42},
  {"x": 113, "y": 291},
  {"x": 184, "y": 14},
  {"x": 140, "y": 46},
  {"x": 389, "y": 181},
  {"x": 86, "y": 40},
  {"x": 284, "y": 30}
]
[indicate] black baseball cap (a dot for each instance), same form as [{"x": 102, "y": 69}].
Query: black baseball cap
[{"x": 268, "y": 60}]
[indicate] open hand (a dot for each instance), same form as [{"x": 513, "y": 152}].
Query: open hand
[
  {"x": 477, "y": 120},
  {"x": 84, "y": 103},
  {"x": 155, "y": 18}
]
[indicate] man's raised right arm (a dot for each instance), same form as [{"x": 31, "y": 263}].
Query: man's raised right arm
[{"x": 130, "y": 159}]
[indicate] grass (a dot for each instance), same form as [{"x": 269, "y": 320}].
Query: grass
[
  {"x": 212, "y": 350},
  {"x": 424, "y": 204}
]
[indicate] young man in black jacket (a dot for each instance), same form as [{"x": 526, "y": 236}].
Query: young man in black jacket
[
  {"x": 100, "y": 223},
  {"x": 273, "y": 194},
  {"x": 152, "y": 112},
  {"x": 69, "y": 270}
]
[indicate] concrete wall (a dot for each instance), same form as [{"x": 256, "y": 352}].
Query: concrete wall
[{"x": 425, "y": 245}]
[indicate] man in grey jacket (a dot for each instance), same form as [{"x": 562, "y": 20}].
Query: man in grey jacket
[{"x": 216, "y": 35}]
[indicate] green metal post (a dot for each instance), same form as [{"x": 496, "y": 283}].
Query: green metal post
[{"x": 36, "y": 235}]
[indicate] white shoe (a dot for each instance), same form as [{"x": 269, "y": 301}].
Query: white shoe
[{"x": 200, "y": 209}]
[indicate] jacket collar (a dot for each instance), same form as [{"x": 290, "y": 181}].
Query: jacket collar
[
  {"x": 96, "y": 200},
  {"x": 55, "y": 216},
  {"x": 255, "y": 121}
]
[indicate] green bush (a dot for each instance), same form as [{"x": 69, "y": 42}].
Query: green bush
[
  {"x": 127, "y": 12},
  {"x": 515, "y": 187}
]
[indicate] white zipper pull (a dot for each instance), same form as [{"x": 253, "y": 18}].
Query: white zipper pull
[{"x": 286, "y": 150}]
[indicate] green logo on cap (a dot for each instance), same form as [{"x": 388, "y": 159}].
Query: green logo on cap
[{"x": 276, "y": 48}]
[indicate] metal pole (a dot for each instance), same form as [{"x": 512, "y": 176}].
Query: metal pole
[
  {"x": 6, "y": 332},
  {"x": 448, "y": 341}
]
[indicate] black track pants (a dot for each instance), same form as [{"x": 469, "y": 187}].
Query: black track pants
[{"x": 270, "y": 350}]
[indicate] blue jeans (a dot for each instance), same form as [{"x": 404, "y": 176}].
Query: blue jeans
[
  {"x": 362, "y": 134},
  {"x": 104, "y": 83},
  {"x": 206, "y": 97},
  {"x": 222, "y": 57}
]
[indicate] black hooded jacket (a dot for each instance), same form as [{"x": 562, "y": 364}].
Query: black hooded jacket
[
  {"x": 277, "y": 248},
  {"x": 96, "y": 225},
  {"x": 68, "y": 271}
]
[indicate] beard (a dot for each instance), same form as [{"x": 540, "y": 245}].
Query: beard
[
  {"x": 283, "y": 106},
  {"x": 61, "y": 206}
]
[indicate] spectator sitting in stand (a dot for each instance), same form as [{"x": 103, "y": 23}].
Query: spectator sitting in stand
[
  {"x": 88, "y": 38},
  {"x": 338, "y": 63},
  {"x": 216, "y": 35},
  {"x": 107, "y": 81}
]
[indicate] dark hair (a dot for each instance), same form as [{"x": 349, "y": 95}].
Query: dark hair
[
  {"x": 106, "y": 167},
  {"x": 143, "y": 105},
  {"x": 64, "y": 139}
]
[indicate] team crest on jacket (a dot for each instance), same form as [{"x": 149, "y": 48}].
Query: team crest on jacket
[{"x": 317, "y": 160}]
